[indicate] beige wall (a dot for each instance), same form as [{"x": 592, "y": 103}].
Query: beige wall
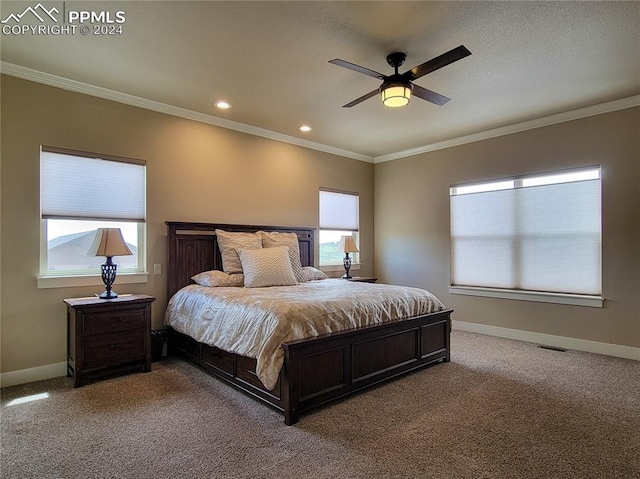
[
  {"x": 195, "y": 172},
  {"x": 198, "y": 172},
  {"x": 411, "y": 213}
]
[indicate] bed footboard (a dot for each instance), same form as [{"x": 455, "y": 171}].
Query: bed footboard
[{"x": 325, "y": 368}]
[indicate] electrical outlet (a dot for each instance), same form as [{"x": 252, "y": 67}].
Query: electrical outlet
[{"x": 157, "y": 269}]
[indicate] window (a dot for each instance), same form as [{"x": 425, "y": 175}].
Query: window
[
  {"x": 537, "y": 234},
  {"x": 338, "y": 217},
  {"x": 80, "y": 192}
]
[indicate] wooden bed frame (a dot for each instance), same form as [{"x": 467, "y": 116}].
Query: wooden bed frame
[{"x": 316, "y": 370}]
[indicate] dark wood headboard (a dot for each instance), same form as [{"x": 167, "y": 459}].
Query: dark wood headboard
[{"x": 193, "y": 248}]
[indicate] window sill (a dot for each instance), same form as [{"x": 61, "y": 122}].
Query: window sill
[
  {"x": 45, "y": 282},
  {"x": 559, "y": 298}
]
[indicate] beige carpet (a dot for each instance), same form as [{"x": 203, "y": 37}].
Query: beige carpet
[{"x": 499, "y": 409}]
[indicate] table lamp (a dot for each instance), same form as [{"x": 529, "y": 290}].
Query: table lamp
[
  {"x": 109, "y": 242},
  {"x": 347, "y": 245}
]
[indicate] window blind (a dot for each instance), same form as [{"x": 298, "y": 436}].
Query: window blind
[
  {"x": 338, "y": 211},
  {"x": 73, "y": 186},
  {"x": 536, "y": 235}
]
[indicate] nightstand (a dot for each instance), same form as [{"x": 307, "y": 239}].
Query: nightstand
[
  {"x": 363, "y": 279},
  {"x": 106, "y": 336}
]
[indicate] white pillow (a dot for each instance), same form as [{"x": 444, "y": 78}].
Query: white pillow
[
  {"x": 267, "y": 267},
  {"x": 215, "y": 278},
  {"x": 290, "y": 240},
  {"x": 310, "y": 273}
]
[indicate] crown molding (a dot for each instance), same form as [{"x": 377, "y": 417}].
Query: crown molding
[
  {"x": 107, "y": 94},
  {"x": 104, "y": 93},
  {"x": 615, "y": 105}
]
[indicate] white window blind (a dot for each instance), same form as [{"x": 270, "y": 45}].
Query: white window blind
[
  {"x": 76, "y": 186},
  {"x": 339, "y": 216},
  {"x": 338, "y": 211},
  {"x": 539, "y": 233}
]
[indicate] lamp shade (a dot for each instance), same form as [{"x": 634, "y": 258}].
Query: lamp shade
[
  {"x": 347, "y": 245},
  {"x": 109, "y": 242}
]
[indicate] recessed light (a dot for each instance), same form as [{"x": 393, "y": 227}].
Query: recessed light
[
  {"x": 223, "y": 105},
  {"x": 305, "y": 128}
]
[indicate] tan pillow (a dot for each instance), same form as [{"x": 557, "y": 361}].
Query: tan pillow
[
  {"x": 229, "y": 243},
  {"x": 267, "y": 267},
  {"x": 215, "y": 278},
  {"x": 290, "y": 240},
  {"x": 312, "y": 274}
]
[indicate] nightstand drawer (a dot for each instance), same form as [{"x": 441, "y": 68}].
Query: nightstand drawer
[
  {"x": 105, "y": 321},
  {"x": 103, "y": 350}
]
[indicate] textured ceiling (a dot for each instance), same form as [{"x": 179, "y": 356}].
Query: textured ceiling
[{"x": 270, "y": 61}]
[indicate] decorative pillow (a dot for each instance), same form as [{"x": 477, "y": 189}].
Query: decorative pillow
[
  {"x": 290, "y": 240},
  {"x": 310, "y": 273},
  {"x": 218, "y": 278},
  {"x": 229, "y": 243},
  {"x": 267, "y": 267}
]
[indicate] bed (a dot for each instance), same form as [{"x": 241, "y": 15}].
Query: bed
[{"x": 310, "y": 371}]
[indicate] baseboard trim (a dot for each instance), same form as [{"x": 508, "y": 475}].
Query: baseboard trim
[
  {"x": 22, "y": 376},
  {"x": 13, "y": 378},
  {"x": 617, "y": 350}
]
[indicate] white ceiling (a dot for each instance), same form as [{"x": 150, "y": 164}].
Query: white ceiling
[{"x": 269, "y": 59}]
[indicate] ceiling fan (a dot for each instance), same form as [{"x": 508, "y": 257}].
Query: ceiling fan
[{"x": 396, "y": 89}]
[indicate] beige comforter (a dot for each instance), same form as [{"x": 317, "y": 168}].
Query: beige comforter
[{"x": 254, "y": 322}]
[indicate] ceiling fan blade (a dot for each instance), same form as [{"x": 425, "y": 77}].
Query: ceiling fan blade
[
  {"x": 429, "y": 95},
  {"x": 361, "y": 99},
  {"x": 357, "y": 68},
  {"x": 438, "y": 62}
]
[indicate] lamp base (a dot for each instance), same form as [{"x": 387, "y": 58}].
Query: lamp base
[
  {"x": 108, "y": 295},
  {"x": 108, "y": 277},
  {"x": 347, "y": 266}
]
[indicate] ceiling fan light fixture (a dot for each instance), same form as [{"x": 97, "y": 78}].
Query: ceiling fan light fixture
[
  {"x": 396, "y": 89},
  {"x": 395, "y": 94}
]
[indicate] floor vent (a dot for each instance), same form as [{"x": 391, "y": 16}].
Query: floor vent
[{"x": 552, "y": 348}]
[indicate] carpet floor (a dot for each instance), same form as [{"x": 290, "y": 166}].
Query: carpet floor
[{"x": 500, "y": 409}]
